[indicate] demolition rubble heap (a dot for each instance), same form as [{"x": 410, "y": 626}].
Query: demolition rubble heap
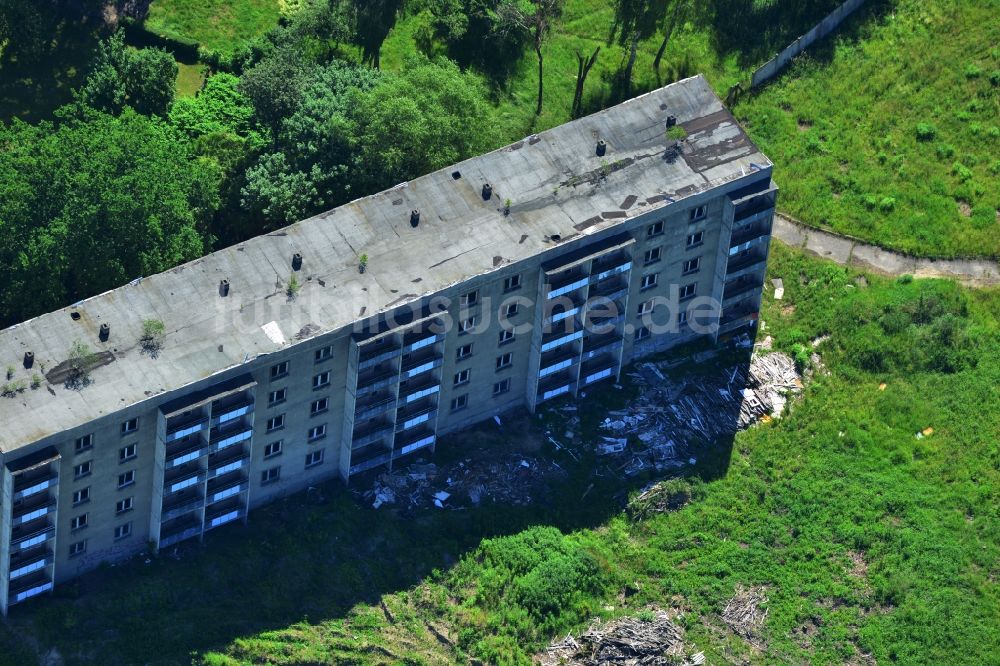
[
  {"x": 514, "y": 480},
  {"x": 678, "y": 412},
  {"x": 626, "y": 641}
]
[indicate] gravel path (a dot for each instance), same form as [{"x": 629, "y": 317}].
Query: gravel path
[{"x": 844, "y": 250}]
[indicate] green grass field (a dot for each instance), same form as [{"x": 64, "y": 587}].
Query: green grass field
[
  {"x": 217, "y": 25},
  {"x": 892, "y": 133},
  {"x": 871, "y": 542}
]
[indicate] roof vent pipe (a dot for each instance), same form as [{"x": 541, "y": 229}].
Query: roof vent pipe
[
  {"x": 671, "y": 121},
  {"x": 224, "y": 288},
  {"x": 602, "y": 148},
  {"x": 29, "y": 359},
  {"x": 414, "y": 217},
  {"x": 105, "y": 332},
  {"x": 296, "y": 261},
  {"x": 487, "y": 191}
]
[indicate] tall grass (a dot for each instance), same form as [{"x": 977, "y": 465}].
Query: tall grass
[{"x": 891, "y": 132}]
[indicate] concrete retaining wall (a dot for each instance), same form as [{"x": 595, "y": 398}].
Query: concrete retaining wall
[{"x": 771, "y": 68}]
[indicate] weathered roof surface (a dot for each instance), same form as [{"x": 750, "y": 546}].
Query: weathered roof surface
[{"x": 553, "y": 179}]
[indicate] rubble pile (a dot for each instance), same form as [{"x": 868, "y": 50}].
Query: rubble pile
[
  {"x": 627, "y": 641},
  {"x": 517, "y": 480},
  {"x": 745, "y": 614},
  {"x": 674, "y": 415},
  {"x": 660, "y": 497}
]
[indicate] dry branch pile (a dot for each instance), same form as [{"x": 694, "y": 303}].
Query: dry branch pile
[
  {"x": 745, "y": 614},
  {"x": 627, "y": 641}
]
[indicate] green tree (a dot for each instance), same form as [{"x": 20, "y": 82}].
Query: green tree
[
  {"x": 274, "y": 85},
  {"x": 144, "y": 79},
  {"x": 424, "y": 118},
  {"x": 475, "y": 35},
  {"x": 675, "y": 14},
  {"x": 95, "y": 201},
  {"x": 219, "y": 107},
  {"x": 375, "y": 19},
  {"x": 635, "y": 20},
  {"x": 534, "y": 18},
  {"x": 312, "y": 151}
]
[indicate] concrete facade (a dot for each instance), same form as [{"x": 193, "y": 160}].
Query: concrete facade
[{"x": 612, "y": 251}]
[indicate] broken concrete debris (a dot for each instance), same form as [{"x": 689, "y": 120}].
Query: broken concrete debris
[
  {"x": 518, "y": 480},
  {"x": 676, "y": 413},
  {"x": 629, "y": 641}
]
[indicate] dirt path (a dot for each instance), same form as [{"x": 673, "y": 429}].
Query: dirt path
[{"x": 844, "y": 250}]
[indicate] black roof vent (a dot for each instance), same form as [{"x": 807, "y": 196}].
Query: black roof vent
[
  {"x": 105, "y": 332},
  {"x": 487, "y": 191},
  {"x": 671, "y": 121},
  {"x": 224, "y": 288},
  {"x": 456, "y": 174},
  {"x": 74, "y": 315},
  {"x": 29, "y": 359},
  {"x": 602, "y": 148},
  {"x": 414, "y": 217},
  {"x": 296, "y": 261}
]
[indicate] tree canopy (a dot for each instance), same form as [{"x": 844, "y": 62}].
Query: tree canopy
[
  {"x": 141, "y": 78},
  {"x": 93, "y": 202}
]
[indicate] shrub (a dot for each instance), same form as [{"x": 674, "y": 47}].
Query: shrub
[
  {"x": 294, "y": 287},
  {"x": 926, "y": 131},
  {"x": 945, "y": 150},
  {"x": 81, "y": 361},
  {"x": 963, "y": 172},
  {"x": 676, "y": 133},
  {"x": 886, "y": 204},
  {"x": 151, "y": 340},
  {"x": 973, "y": 71}
]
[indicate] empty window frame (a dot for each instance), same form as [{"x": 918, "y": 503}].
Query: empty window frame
[
  {"x": 279, "y": 370},
  {"x": 314, "y": 458},
  {"x": 505, "y": 361},
  {"x": 691, "y": 266},
  {"x": 511, "y": 283},
  {"x": 319, "y": 406},
  {"x": 273, "y": 449},
  {"x": 321, "y": 380}
]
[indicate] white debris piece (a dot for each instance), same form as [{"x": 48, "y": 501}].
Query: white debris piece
[{"x": 779, "y": 288}]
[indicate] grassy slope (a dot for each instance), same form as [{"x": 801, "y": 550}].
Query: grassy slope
[
  {"x": 842, "y": 477},
  {"x": 217, "y": 25},
  {"x": 842, "y": 129}
]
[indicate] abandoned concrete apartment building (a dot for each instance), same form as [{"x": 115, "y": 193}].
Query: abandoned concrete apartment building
[{"x": 351, "y": 340}]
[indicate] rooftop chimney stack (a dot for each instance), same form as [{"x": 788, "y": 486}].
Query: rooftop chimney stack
[
  {"x": 414, "y": 217},
  {"x": 296, "y": 261},
  {"x": 224, "y": 288},
  {"x": 105, "y": 332},
  {"x": 29, "y": 359},
  {"x": 602, "y": 148},
  {"x": 487, "y": 191}
]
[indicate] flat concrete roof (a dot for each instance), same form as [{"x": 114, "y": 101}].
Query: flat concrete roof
[{"x": 558, "y": 186}]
